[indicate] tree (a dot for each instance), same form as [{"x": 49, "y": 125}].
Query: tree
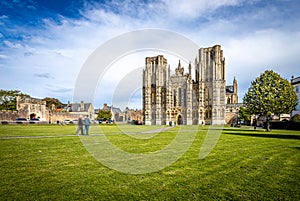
[
  {"x": 270, "y": 94},
  {"x": 104, "y": 115},
  {"x": 244, "y": 115},
  {"x": 8, "y": 99},
  {"x": 52, "y": 101}
]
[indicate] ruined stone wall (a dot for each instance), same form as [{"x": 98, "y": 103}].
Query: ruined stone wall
[
  {"x": 31, "y": 106},
  {"x": 55, "y": 117},
  {"x": 35, "y": 108},
  {"x": 8, "y": 115}
]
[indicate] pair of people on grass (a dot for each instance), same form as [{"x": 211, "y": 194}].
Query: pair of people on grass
[{"x": 86, "y": 122}]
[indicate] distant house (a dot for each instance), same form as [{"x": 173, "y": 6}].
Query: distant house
[
  {"x": 295, "y": 81},
  {"x": 117, "y": 114},
  {"x": 84, "y": 109}
]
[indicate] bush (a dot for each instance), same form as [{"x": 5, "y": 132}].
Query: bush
[
  {"x": 294, "y": 125},
  {"x": 290, "y": 125},
  {"x": 279, "y": 124},
  {"x": 296, "y": 118}
]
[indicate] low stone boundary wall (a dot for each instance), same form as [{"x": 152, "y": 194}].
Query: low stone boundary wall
[{"x": 9, "y": 117}]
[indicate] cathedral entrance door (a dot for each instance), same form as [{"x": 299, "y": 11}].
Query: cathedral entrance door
[{"x": 179, "y": 120}]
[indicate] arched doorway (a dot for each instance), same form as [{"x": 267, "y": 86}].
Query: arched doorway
[
  {"x": 179, "y": 120},
  {"x": 32, "y": 116}
]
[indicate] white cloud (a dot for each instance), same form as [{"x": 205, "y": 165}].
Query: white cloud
[
  {"x": 3, "y": 17},
  {"x": 12, "y": 45},
  {"x": 3, "y": 56},
  {"x": 193, "y": 9},
  {"x": 247, "y": 57},
  {"x": 44, "y": 75}
]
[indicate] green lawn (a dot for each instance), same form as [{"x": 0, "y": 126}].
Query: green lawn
[{"x": 48, "y": 162}]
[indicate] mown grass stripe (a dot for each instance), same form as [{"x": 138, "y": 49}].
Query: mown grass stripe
[{"x": 244, "y": 165}]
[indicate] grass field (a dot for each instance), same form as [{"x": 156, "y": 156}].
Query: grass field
[{"x": 48, "y": 162}]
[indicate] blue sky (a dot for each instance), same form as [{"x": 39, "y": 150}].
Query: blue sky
[{"x": 44, "y": 44}]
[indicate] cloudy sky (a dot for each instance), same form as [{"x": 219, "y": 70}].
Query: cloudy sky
[{"x": 44, "y": 44}]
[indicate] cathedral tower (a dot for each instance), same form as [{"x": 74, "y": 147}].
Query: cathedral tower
[
  {"x": 154, "y": 90},
  {"x": 211, "y": 85}
]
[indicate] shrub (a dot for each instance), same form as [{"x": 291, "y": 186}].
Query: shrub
[{"x": 296, "y": 118}]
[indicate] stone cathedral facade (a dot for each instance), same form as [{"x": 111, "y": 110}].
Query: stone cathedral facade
[{"x": 179, "y": 97}]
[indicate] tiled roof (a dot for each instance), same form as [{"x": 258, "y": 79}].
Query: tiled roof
[{"x": 76, "y": 107}]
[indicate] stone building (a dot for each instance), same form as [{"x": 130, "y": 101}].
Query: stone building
[
  {"x": 295, "y": 81},
  {"x": 26, "y": 108},
  {"x": 30, "y": 108},
  {"x": 82, "y": 108},
  {"x": 181, "y": 99},
  {"x": 231, "y": 93},
  {"x": 232, "y": 105},
  {"x": 126, "y": 116},
  {"x": 134, "y": 116},
  {"x": 71, "y": 112},
  {"x": 117, "y": 114}
]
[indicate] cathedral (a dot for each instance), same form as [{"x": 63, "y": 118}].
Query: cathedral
[{"x": 182, "y": 98}]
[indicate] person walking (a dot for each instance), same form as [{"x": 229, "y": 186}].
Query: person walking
[
  {"x": 87, "y": 123},
  {"x": 80, "y": 125}
]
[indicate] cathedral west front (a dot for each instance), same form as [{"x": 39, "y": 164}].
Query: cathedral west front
[{"x": 182, "y": 98}]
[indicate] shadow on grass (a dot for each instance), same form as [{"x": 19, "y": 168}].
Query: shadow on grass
[
  {"x": 267, "y": 135},
  {"x": 244, "y": 130}
]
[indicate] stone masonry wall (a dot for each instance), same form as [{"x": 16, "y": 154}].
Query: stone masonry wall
[{"x": 8, "y": 115}]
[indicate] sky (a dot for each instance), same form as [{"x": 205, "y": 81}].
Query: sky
[{"x": 45, "y": 44}]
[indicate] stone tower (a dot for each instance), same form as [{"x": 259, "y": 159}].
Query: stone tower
[
  {"x": 179, "y": 98},
  {"x": 155, "y": 76},
  {"x": 210, "y": 78}
]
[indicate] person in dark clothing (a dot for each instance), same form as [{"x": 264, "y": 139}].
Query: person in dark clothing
[{"x": 80, "y": 126}]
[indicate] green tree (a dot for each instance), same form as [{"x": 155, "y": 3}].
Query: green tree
[
  {"x": 8, "y": 99},
  {"x": 104, "y": 115},
  {"x": 52, "y": 101},
  {"x": 270, "y": 94},
  {"x": 244, "y": 115}
]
